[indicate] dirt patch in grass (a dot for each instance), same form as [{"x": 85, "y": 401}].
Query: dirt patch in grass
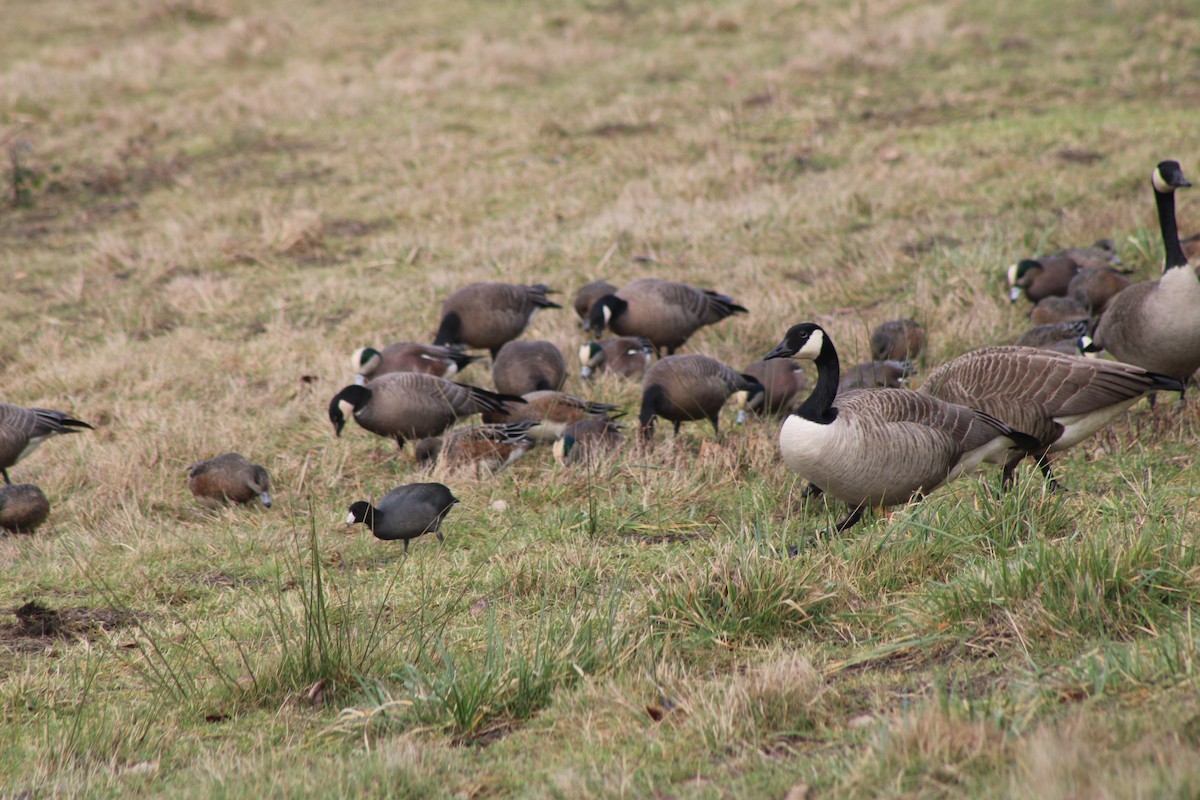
[{"x": 37, "y": 623}]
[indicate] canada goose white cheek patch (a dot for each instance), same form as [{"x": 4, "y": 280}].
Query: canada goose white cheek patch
[
  {"x": 346, "y": 408},
  {"x": 1160, "y": 184},
  {"x": 607, "y": 314},
  {"x": 812, "y": 348},
  {"x": 1012, "y": 276},
  {"x": 585, "y": 355}
]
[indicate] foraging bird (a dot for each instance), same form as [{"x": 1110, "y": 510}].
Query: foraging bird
[
  {"x": 627, "y": 356},
  {"x": 1156, "y": 324},
  {"x": 876, "y": 375},
  {"x": 406, "y": 512},
  {"x": 1057, "y": 309},
  {"x": 23, "y": 507},
  {"x": 522, "y": 367},
  {"x": 781, "y": 380},
  {"x": 22, "y": 430},
  {"x": 1095, "y": 287},
  {"x": 897, "y": 340},
  {"x": 549, "y": 413},
  {"x": 1061, "y": 337},
  {"x": 229, "y": 477},
  {"x": 587, "y": 296},
  {"x": 692, "y": 387},
  {"x": 665, "y": 312},
  {"x": 431, "y": 359},
  {"x": 1038, "y": 278},
  {"x": 486, "y": 315},
  {"x": 586, "y": 439},
  {"x": 410, "y": 405},
  {"x": 879, "y": 447},
  {"x": 486, "y": 449},
  {"x": 1059, "y": 400}
]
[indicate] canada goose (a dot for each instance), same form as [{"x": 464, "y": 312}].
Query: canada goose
[
  {"x": 1062, "y": 337},
  {"x": 229, "y": 477},
  {"x": 23, "y": 507},
  {"x": 1057, "y": 309},
  {"x": 586, "y": 439},
  {"x": 897, "y": 340},
  {"x": 781, "y": 380},
  {"x": 486, "y": 449},
  {"x": 431, "y": 359},
  {"x": 875, "y": 446},
  {"x": 1048, "y": 276},
  {"x": 1095, "y": 287},
  {"x": 23, "y": 429},
  {"x": 411, "y": 405},
  {"x": 1156, "y": 324},
  {"x": 665, "y": 312},
  {"x": 523, "y": 366},
  {"x": 627, "y": 356},
  {"x": 405, "y": 512},
  {"x": 487, "y": 315},
  {"x": 549, "y": 413},
  {"x": 685, "y": 388},
  {"x": 876, "y": 375},
  {"x": 1059, "y": 400},
  {"x": 587, "y": 296}
]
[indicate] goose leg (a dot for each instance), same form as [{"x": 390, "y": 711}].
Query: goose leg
[
  {"x": 1010, "y": 466},
  {"x": 851, "y": 519},
  {"x": 811, "y": 490},
  {"x": 1044, "y": 466},
  {"x": 677, "y": 424},
  {"x": 405, "y": 546}
]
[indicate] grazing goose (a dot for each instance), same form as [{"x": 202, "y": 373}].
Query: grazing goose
[
  {"x": 781, "y": 380},
  {"x": 897, "y": 340},
  {"x": 1057, "y": 309},
  {"x": 1156, "y": 324},
  {"x": 549, "y": 413},
  {"x": 665, "y": 312},
  {"x": 229, "y": 477},
  {"x": 410, "y": 405},
  {"x": 875, "y": 375},
  {"x": 405, "y": 512},
  {"x": 431, "y": 359},
  {"x": 23, "y": 507},
  {"x": 685, "y": 388},
  {"x": 587, "y": 296},
  {"x": 1039, "y": 278},
  {"x": 486, "y": 449},
  {"x": 522, "y": 367},
  {"x": 1061, "y": 337},
  {"x": 1095, "y": 287},
  {"x": 23, "y": 429},
  {"x": 587, "y": 439},
  {"x": 879, "y": 447},
  {"x": 487, "y": 315},
  {"x": 1059, "y": 400},
  {"x": 627, "y": 356}
]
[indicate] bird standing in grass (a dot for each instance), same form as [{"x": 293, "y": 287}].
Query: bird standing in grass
[
  {"x": 229, "y": 477},
  {"x": 406, "y": 512},
  {"x": 22, "y": 430},
  {"x": 879, "y": 446}
]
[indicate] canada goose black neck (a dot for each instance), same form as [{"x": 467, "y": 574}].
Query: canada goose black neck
[
  {"x": 450, "y": 330},
  {"x": 810, "y": 341},
  {"x": 357, "y": 396},
  {"x": 1168, "y": 176},
  {"x": 604, "y": 311}
]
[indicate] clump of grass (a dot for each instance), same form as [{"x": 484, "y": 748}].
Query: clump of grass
[
  {"x": 744, "y": 592},
  {"x": 470, "y": 691}
]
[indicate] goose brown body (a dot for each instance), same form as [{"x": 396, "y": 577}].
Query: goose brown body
[
  {"x": 1095, "y": 287},
  {"x": 485, "y": 449},
  {"x": 411, "y": 405},
  {"x": 23, "y": 507},
  {"x": 523, "y": 366},
  {"x": 229, "y": 477},
  {"x": 665, "y": 312},
  {"x": 22, "y": 430},
  {"x": 875, "y": 375},
  {"x": 431, "y": 359},
  {"x": 488, "y": 314},
  {"x": 627, "y": 356},
  {"x": 1057, "y": 309},
  {"x": 692, "y": 387},
  {"x": 1060, "y": 400}
]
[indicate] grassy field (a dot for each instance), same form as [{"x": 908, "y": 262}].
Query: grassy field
[{"x": 209, "y": 205}]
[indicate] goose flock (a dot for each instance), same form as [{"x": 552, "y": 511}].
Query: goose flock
[{"x": 859, "y": 435}]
